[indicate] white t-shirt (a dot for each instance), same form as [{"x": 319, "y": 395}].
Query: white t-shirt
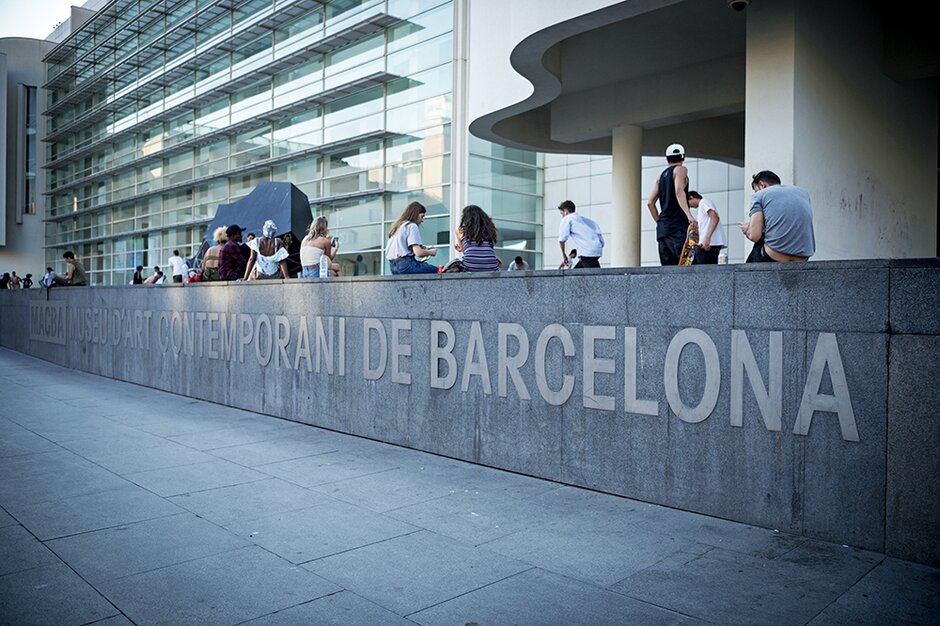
[
  {"x": 177, "y": 264},
  {"x": 584, "y": 233},
  {"x": 515, "y": 268},
  {"x": 399, "y": 244},
  {"x": 705, "y": 221}
]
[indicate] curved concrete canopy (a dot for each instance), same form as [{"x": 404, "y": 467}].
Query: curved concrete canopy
[{"x": 675, "y": 69}]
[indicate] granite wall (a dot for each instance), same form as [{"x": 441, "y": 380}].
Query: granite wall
[{"x": 801, "y": 398}]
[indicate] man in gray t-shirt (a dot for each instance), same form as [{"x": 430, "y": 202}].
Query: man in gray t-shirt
[{"x": 780, "y": 221}]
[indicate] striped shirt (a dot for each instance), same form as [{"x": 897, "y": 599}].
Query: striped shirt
[{"x": 479, "y": 257}]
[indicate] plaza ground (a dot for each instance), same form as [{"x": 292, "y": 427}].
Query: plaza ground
[{"x": 121, "y": 504}]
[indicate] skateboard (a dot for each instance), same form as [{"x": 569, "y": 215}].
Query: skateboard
[{"x": 691, "y": 242}]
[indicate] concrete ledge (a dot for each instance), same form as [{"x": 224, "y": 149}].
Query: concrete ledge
[{"x": 797, "y": 397}]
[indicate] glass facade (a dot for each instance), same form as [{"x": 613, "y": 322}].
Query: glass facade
[{"x": 160, "y": 110}]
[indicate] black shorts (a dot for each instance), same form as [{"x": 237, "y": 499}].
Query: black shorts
[
  {"x": 670, "y": 247},
  {"x": 587, "y": 261},
  {"x": 706, "y": 257},
  {"x": 759, "y": 255},
  {"x": 177, "y": 278}
]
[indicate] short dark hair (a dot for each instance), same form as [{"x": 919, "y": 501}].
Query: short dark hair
[
  {"x": 567, "y": 205},
  {"x": 68, "y": 255},
  {"x": 140, "y": 267},
  {"x": 765, "y": 176},
  {"x": 176, "y": 253},
  {"x": 695, "y": 194},
  {"x": 675, "y": 158},
  {"x": 518, "y": 260}
]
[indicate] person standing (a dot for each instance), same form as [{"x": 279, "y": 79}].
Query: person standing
[
  {"x": 74, "y": 272},
  {"x": 582, "y": 232},
  {"x": 404, "y": 246},
  {"x": 138, "y": 275},
  {"x": 27, "y": 281},
  {"x": 15, "y": 281},
  {"x": 711, "y": 238},
  {"x": 673, "y": 218},
  {"x": 177, "y": 266},
  {"x": 780, "y": 221},
  {"x": 231, "y": 260}
]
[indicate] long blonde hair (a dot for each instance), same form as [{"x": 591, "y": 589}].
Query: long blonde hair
[
  {"x": 410, "y": 214},
  {"x": 219, "y": 235},
  {"x": 318, "y": 228}
]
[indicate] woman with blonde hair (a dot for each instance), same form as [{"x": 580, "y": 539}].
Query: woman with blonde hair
[
  {"x": 317, "y": 245},
  {"x": 404, "y": 243},
  {"x": 210, "y": 262}
]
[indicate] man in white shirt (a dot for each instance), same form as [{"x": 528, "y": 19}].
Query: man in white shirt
[
  {"x": 518, "y": 264},
  {"x": 177, "y": 266},
  {"x": 583, "y": 232},
  {"x": 711, "y": 238}
]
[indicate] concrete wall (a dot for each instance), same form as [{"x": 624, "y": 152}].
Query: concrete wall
[{"x": 801, "y": 398}]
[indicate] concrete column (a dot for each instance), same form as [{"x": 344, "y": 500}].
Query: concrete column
[{"x": 623, "y": 249}]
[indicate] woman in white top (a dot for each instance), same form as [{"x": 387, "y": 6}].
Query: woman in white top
[
  {"x": 268, "y": 256},
  {"x": 316, "y": 245},
  {"x": 404, "y": 243}
]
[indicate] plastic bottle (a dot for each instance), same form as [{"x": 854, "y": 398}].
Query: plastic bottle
[
  {"x": 324, "y": 266},
  {"x": 723, "y": 257}
]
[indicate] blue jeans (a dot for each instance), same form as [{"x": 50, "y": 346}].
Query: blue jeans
[
  {"x": 410, "y": 265},
  {"x": 310, "y": 271}
]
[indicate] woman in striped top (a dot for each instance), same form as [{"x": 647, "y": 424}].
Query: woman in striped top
[{"x": 476, "y": 237}]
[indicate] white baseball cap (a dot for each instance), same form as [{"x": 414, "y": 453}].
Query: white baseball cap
[{"x": 675, "y": 149}]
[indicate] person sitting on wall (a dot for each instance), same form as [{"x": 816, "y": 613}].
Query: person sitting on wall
[
  {"x": 138, "y": 275},
  {"x": 152, "y": 279},
  {"x": 268, "y": 255},
  {"x": 15, "y": 281},
  {"x": 28, "y": 281},
  {"x": 5, "y": 280},
  {"x": 231, "y": 261},
  {"x": 475, "y": 238},
  {"x": 316, "y": 245},
  {"x": 780, "y": 222},
  {"x": 74, "y": 272},
  {"x": 518, "y": 264},
  {"x": 210, "y": 262},
  {"x": 404, "y": 246},
  {"x": 48, "y": 277}
]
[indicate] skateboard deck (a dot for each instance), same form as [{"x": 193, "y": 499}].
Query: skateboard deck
[{"x": 691, "y": 242}]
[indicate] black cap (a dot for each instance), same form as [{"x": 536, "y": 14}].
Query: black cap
[{"x": 233, "y": 230}]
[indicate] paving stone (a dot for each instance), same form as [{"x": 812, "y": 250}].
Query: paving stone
[
  {"x": 325, "y": 468},
  {"x": 248, "y": 501},
  {"x": 238, "y": 435},
  {"x": 339, "y": 609},
  {"x": 320, "y": 531},
  {"x": 94, "y": 511},
  {"x": 416, "y": 571},
  {"x": 53, "y": 594},
  {"x": 894, "y": 592},
  {"x": 123, "y": 461},
  {"x": 533, "y": 595},
  {"x": 143, "y": 546},
  {"x": 226, "y": 588},
  {"x": 19, "y": 491},
  {"x": 173, "y": 481},
  {"x": 20, "y": 550},
  {"x": 309, "y": 442}
]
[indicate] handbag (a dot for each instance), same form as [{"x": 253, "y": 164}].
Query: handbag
[{"x": 454, "y": 266}]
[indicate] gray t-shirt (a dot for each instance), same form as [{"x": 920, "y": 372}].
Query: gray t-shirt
[{"x": 788, "y": 219}]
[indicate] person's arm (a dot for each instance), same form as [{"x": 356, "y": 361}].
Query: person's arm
[
  {"x": 457, "y": 244},
  {"x": 707, "y": 239},
  {"x": 251, "y": 264},
  {"x": 753, "y": 228},
  {"x": 680, "y": 176},
  {"x": 564, "y": 255},
  {"x": 331, "y": 250},
  {"x": 564, "y": 232},
  {"x": 651, "y": 202},
  {"x": 283, "y": 266},
  {"x": 421, "y": 253}
]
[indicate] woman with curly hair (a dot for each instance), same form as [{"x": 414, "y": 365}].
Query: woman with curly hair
[{"x": 476, "y": 237}]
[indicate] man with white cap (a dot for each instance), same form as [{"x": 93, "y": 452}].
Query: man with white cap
[{"x": 672, "y": 220}]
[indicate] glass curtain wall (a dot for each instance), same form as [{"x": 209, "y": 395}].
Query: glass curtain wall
[{"x": 160, "y": 110}]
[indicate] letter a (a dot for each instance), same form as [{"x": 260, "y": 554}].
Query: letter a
[{"x": 826, "y": 353}]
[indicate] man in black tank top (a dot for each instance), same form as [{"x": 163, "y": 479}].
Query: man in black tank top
[{"x": 674, "y": 217}]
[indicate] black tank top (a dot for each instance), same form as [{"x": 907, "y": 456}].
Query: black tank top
[{"x": 671, "y": 216}]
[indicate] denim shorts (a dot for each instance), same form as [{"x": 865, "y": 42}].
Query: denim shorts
[{"x": 410, "y": 265}]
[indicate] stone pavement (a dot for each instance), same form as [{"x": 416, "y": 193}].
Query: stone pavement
[{"x": 121, "y": 504}]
